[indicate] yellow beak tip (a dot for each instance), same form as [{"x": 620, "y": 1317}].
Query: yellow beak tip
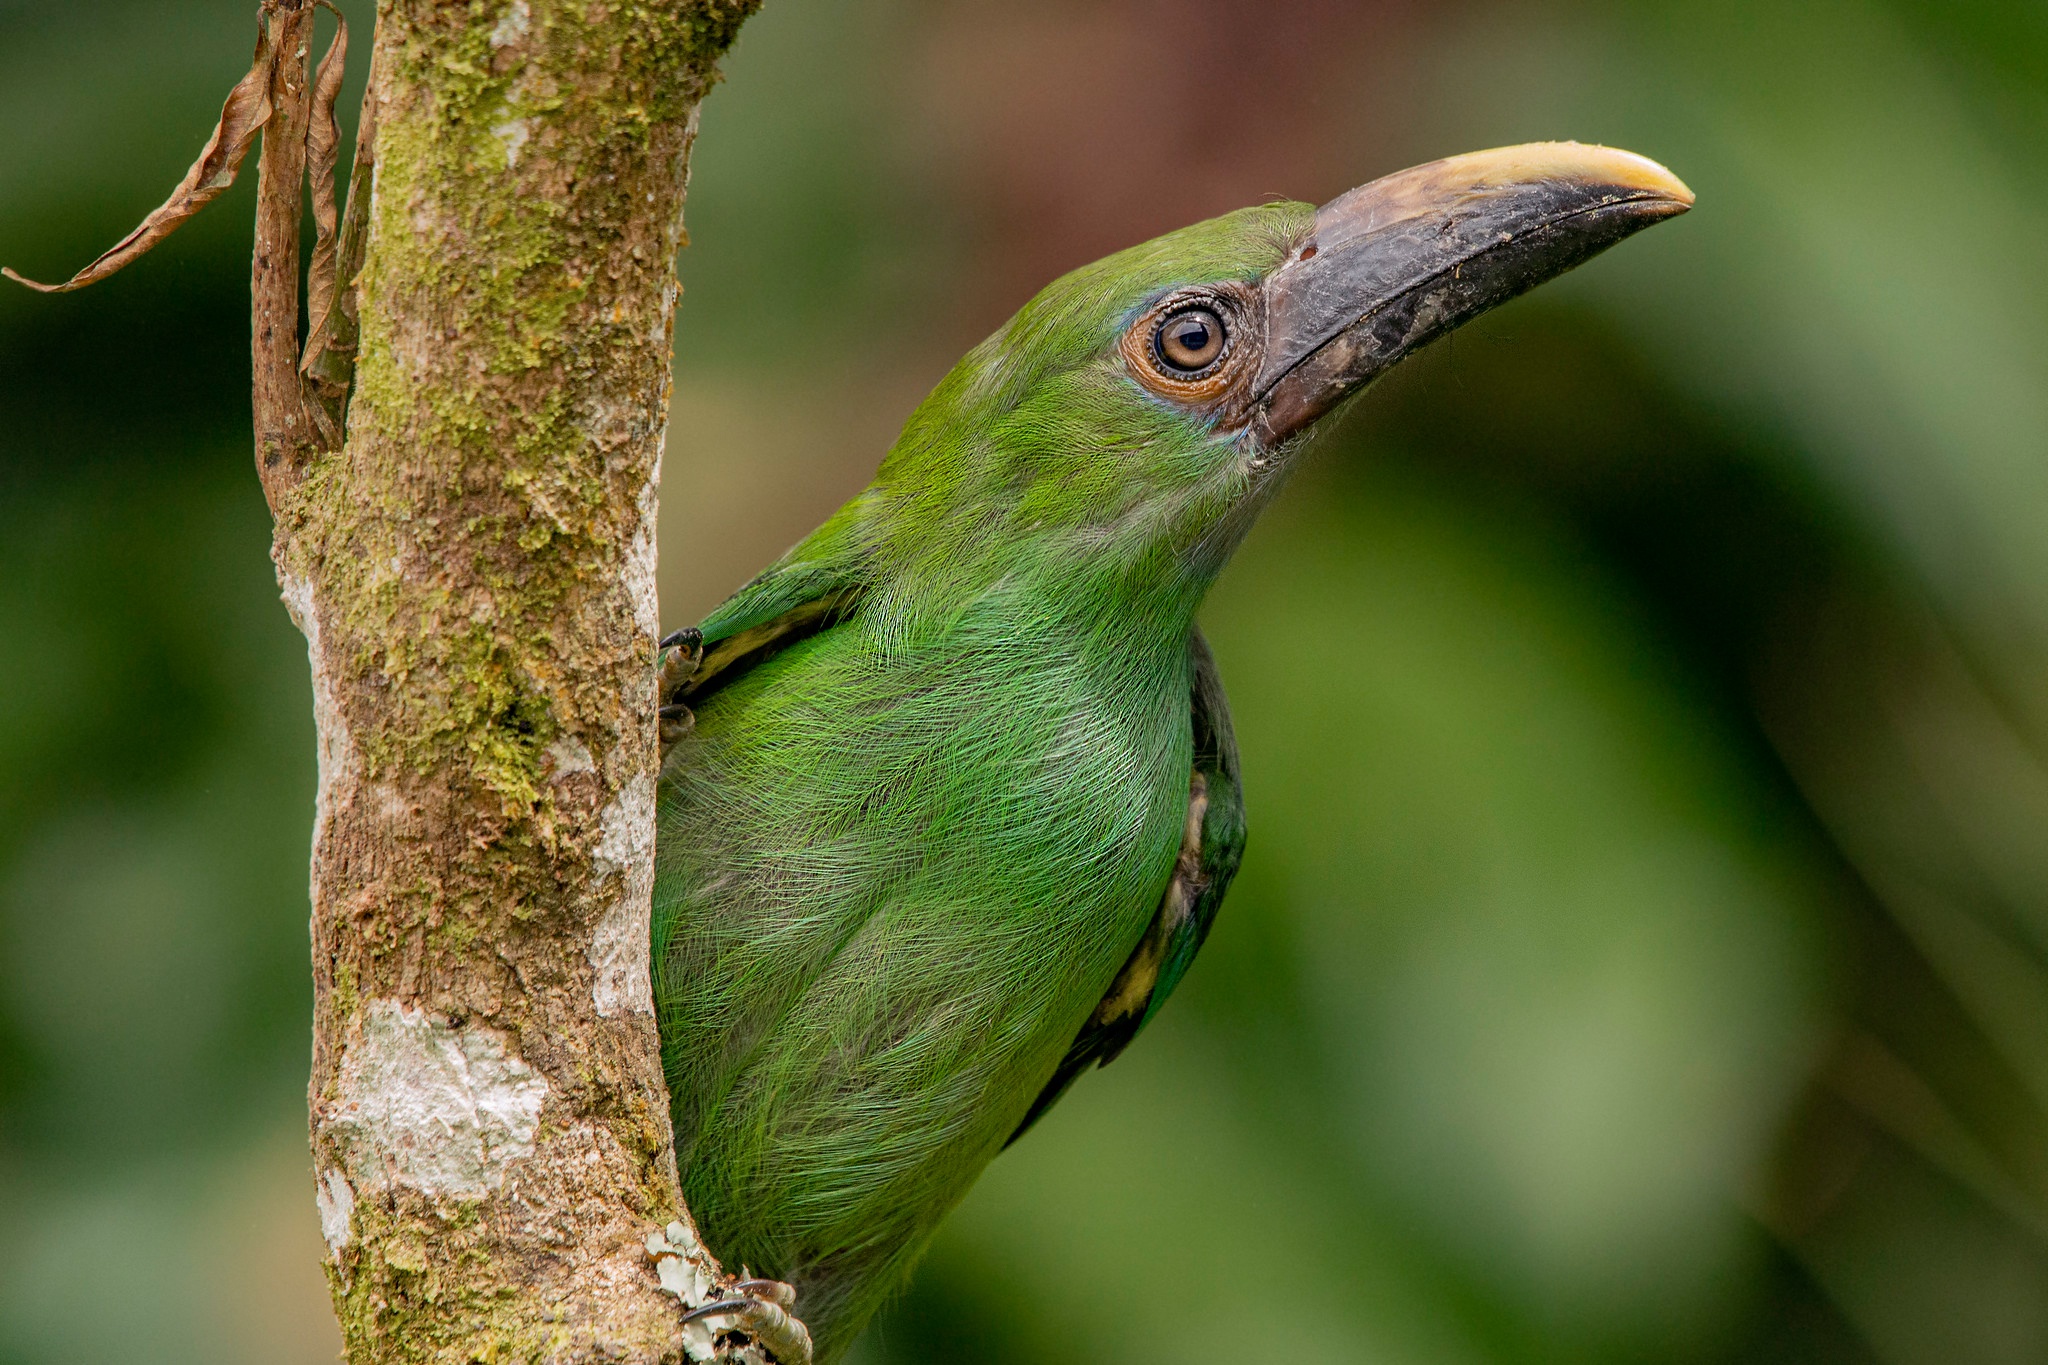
[{"x": 1587, "y": 162}]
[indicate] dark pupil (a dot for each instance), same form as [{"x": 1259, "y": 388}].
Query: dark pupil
[{"x": 1191, "y": 340}]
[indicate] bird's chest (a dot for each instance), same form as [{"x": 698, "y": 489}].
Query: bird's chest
[
  {"x": 1048, "y": 784},
  {"x": 981, "y": 781}
]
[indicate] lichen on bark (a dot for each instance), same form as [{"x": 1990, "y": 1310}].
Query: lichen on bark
[{"x": 473, "y": 571}]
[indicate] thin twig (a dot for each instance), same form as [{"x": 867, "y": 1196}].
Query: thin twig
[{"x": 285, "y": 440}]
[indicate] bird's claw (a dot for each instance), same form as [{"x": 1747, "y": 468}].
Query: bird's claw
[
  {"x": 761, "y": 1309},
  {"x": 758, "y": 1324},
  {"x": 681, "y": 655}
]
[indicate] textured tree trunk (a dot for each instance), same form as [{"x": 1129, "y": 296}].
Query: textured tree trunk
[{"x": 474, "y": 573}]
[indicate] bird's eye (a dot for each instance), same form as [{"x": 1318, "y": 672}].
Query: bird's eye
[{"x": 1189, "y": 341}]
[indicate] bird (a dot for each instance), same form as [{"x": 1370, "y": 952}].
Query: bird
[{"x": 949, "y": 795}]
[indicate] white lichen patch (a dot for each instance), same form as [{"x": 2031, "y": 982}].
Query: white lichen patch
[
  {"x": 337, "y": 759},
  {"x": 642, "y": 554},
  {"x": 681, "y": 1262},
  {"x": 336, "y": 1199},
  {"x": 618, "y": 946},
  {"x": 392, "y": 805},
  {"x": 514, "y": 134},
  {"x": 446, "y": 1110},
  {"x": 569, "y": 755},
  {"x": 684, "y": 1269},
  {"x": 516, "y": 24}
]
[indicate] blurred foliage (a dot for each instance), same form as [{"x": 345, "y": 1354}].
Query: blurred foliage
[{"x": 1640, "y": 954}]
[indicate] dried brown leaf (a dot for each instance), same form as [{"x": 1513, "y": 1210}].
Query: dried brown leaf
[
  {"x": 330, "y": 342},
  {"x": 241, "y": 118},
  {"x": 323, "y": 150}
]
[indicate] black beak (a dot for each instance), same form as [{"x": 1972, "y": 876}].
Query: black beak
[{"x": 1399, "y": 262}]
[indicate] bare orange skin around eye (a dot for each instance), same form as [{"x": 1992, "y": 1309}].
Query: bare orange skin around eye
[{"x": 1240, "y": 359}]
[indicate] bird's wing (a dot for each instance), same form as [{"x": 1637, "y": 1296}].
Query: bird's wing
[
  {"x": 813, "y": 587},
  {"x": 729, "y": 656},
  {"x": 1210, "y": 850}
]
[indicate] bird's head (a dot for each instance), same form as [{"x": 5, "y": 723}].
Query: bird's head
[{"x": 1132, "y": 418}]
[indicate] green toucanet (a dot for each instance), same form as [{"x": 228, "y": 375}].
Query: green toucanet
[{"x": 950, "y": 796}]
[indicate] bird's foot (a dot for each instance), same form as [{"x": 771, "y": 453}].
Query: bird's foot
[
  {"x": 762, "y": 1309},
  {"x": 681, "y": 654},
  {"x": 745, "y": 1322}
]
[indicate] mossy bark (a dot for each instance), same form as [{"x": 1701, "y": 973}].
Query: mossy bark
[{"x": 474, "y": 572}]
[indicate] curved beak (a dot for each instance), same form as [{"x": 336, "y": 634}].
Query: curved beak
[{"x": 1399, "y": 262}]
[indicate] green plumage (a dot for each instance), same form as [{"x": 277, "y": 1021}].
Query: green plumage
[
  {"x": 904, "y": 858},
  {"x": 961, "y": 799}
]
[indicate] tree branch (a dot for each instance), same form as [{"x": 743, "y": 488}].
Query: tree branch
[{"x": 474, "y": 573}]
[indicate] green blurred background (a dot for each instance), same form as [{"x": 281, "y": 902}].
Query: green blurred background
[{"x": 1642, "y": 953}]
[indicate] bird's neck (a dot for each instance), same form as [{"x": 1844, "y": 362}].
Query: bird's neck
[{"x": 1112, "y": 603}]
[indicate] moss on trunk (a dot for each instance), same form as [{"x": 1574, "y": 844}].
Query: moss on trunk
[{"x": 475, "y": 575}]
